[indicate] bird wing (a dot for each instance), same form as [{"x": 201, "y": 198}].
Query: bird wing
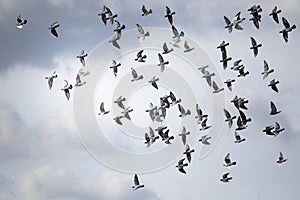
[
  {"x": 144, "y": 9},
  {"x": 237, "y": 136},
  {"x": 133, "y": 72},
  {"x": 186, "y": 45},
  {"x": 147, "y": 138},
  {"x": 139, "y": 54},
  {"x": 175, "y": 31},
  {"x": 140, "y": 29},
  {"x": 168, "y": 10},
  {"x": 285, "y": 23},
  {"x": 102, "y": 107},
  {"x": 54, "y": 32},
  {"x": 253, "y": 41},
  {"x": 215, "y": 86},
  {"x": 160, "y": 58},
  {"x": 273, "y": 107},
  {"x": 227, "y": 21},
  {"x": 227, "y": 158},
  {"x": 165, "y": 47},
  {"x": 136, "y": 180},
  {"x": 227, "y": 114},
  {"x": 266, "y": 66}
]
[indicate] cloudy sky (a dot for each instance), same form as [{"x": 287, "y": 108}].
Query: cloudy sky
[{"x": 41, "y": 154}]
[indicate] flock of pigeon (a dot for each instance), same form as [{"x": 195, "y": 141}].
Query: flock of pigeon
[{"x": 158, "y": 112}]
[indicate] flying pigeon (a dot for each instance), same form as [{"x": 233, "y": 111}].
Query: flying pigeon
[
  {"x": 53, "y": 27},
  {"x": 136, "y": 182}
]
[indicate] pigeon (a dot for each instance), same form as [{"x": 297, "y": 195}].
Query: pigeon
[
  {"x": 67, "y": 88},
  {"x": 166, "y": 49},
  {"x": 268, "y": 130},
  {"x": 281, "y": 159},
  {"x": 228, "y": 119},
  {"x": 119, "y": 101},
  {"x": 238, "y": 138},
  {"x": 146, "y": 11},
  {"x": 242, "y": 72},
  {"x": 165, "y": 136},
  {"x": 78, "y": 82},
  {"x": 183, "y": 112},
  {"x": 119, "y": 27},
  {"x": 51, "y": 78},
  {"x": 126, "y": 112},
  {"x": 53, "y": 27},
  {"x": 151, "y": 110},
  {"x": 102, "y": 110},
  {"x": 102, "y": 14},
  {"x": 274, "y": 110},
  {"x": 147, "y": 140},
  {"x": 234, "y": 23},
  {"x": 240, "y": 124},
  {"x": 222, "y": 47},
  {"x": 239, "y": 103},
  {"x": 204, "y": 139},
  {"x": 225, "y": 61},
  {"x": 115, "y": 66},
  {"x": 273, "y": 84},
  {"x": 203, "y": 69},
  {"x": 188, "y": 152},
  {"x": 21, "y": 22},
  {"x": 162, "y": 62},
  {"x": 164, "y": 102},
  {"x": 267, "y": 70},
  {"x": 216, "y": 88},
  {"x": 225, "y": 178},
  {"x": 237, "y": 65},
  {"x": 118, "y": 119},
  {"x": 200, "y": 116},
  {"x": 228, "y": 162},
  {"x": 140, "y": 57},
  {"x": 81, "y": 57},
  {"x": 244, "y": 119},
  {"x": 169, "y": 15},
  {"x": 255, "y": 22},
  {"x": 142, "y": 33},
  {"x": 208, "y": 76},
  {"x": 228, "y": 83},
  {"x": 153, "y": 82},
  {"x": 274, "y": 13},
  {"x": 287, "y": 28},
  {"x": 136, "y": 182},
  {"x": 187, "y": 47},
  {"x": 114, "y": 40},
  {"x": 135, "y": 76},
  {"x": 254, "y": 46},
  {"x": 176, "y": 34},
  {"x": 111, "y": 17},
  {"x": 174, "y": 100},
  {"x": 277, "y": 129},
  {"x": 254, "y": 11},
  {"x": 153, "y": 138},
  {"x": 204, "y": 126},
  {"x": 183, "y": 135},
  {"x": 181, "y": 165}
]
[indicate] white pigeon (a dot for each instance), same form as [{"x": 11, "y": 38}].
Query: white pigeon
[
  {"x": 142, "y": 33},
  {"x": 51, "y": 78}
]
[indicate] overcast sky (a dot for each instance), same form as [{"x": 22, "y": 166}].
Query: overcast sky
[{"x": 41, "y": 154}]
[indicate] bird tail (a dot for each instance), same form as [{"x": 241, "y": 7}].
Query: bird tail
[{"x": 147, "y": 33}]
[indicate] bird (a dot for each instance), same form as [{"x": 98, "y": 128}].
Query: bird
[
  {"x": 183, "y": 112},
  {"x": 169, "y": 15},
  {"x": 140, "y": 57},
  {"x": 111, "y": 17},
  {"x": 254, "y": 46},
  {"x": 114, "y": 66},
  {"x": 119, "y": 101},
  {"x": 136, "y": 182},
  {"x": 287, "y": 28},
  {"x": 225, "y": 61},
  {"x": 181, "y": 165},
  {"x": 228, "y": 162},
  {"x": 234, "y": 23},
  {"x": 151, "y": 110},
  {"x": 78, "y": 82},
  {"x": 142, "y": 33},
  {"x": 238, "y": 138},
  {"x": 187, "y": 47},
  {"x": 228, "y": 83},
  {"x": 225, "y": 178},
  {"x": 183, "y": 135},
  {"x": 244, "y": 119},
  {"x": 204, "y": 126},
  {"x": 126, "y": 112},
  {"x": 153, "y": 138},
  {"x": 102, "y": 14},
  {"x": 204, "y": 139},
  {"x": 165, "y": 135},
  {"x": 114, "y": 40},
  {"x": 229, "y": 118},
  {"x": 81, "y": 57},
  {"x": 102, "y": 110},
  {"x": 240, "y": 124},
  {"x": 267, "y": 70},
  {"x": 53, "y": 28},
  {"x": 119, "y": 27},
  {"x": 237, "y": 65},
  {"x": 274, "y": 110},
  {"x": 281, "y": 159},
  {"x": 242, "y": 72},
  {"x": 166, "y": 50},
  {"x": 117, "y": 119},
  {"x": 273, "y": 84},
  {"x": 188, "y": 152},
  {"x": 146, "y": 11},
  {"x": 203, "y": 68},
  {"x": 207, "y": 75},
  {"x": 216, "y": 88},
  {"x": 239, "y": 102},
  {"x": 135, "y": 76},
  {"x": 200, "y": 116},
  {"x": 254, "y": 11},
  {"x": 274, "y": 14},
  {"x": 222, "y": 47},
  {"x": 174, "y": 100},
  {"x": 162, "y": 62},
  {"x": 51, "y": 78},
  {"x": 277, "y": 129},
  {"x": 153, "y": 82},
  {"x": 21, "y": 22},
  {"x": 67, "y": 88},
  {"x": 176, "y": 34},
  {"x": 268, "y": 130}
]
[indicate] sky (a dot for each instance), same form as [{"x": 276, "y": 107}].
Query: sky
[{"x": 43, "y": 153}]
